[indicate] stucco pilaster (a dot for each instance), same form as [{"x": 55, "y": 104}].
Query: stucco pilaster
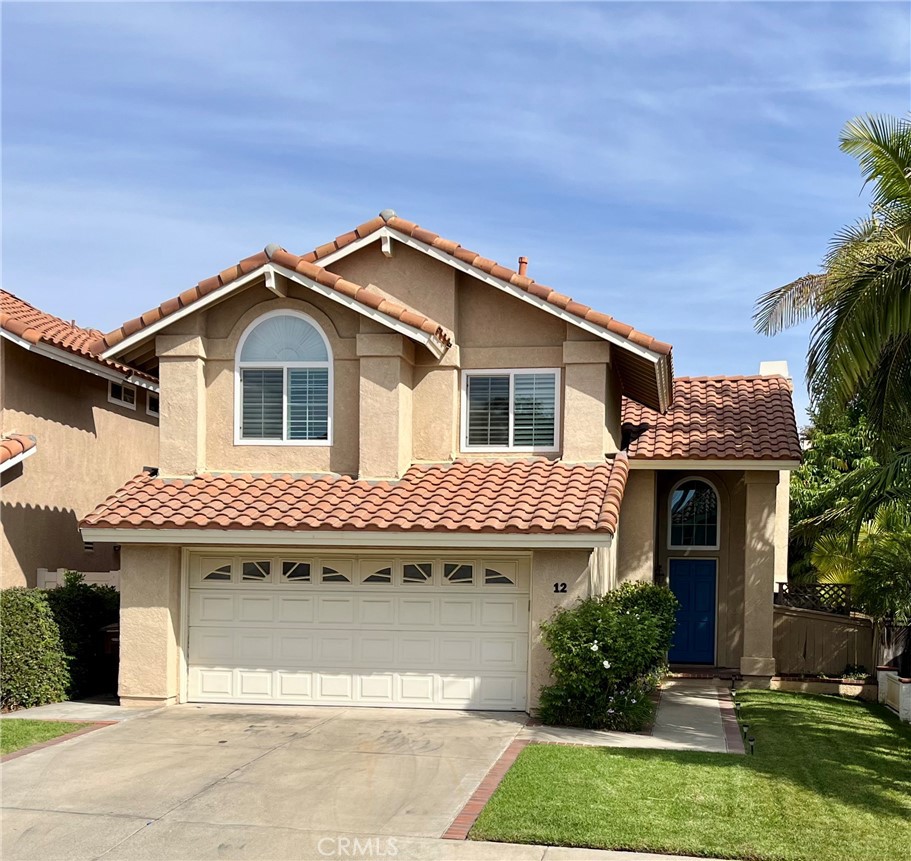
[
  {"x": 759, "y": 573},
  {"x": 636, "y": 530},
  {"x": 182, "y": 422},
  {"x": 386, "y": 363},
  {"x": 149, "y": 625},
  {"x": 584, "y": 400}
]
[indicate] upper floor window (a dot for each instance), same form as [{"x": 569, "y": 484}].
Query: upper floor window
[
  {"x": 122, "y": 394},
  {"x": 284, "y": 382},
  {"x": 693, "y": 521},
  {"x": 510, "y": 410}
]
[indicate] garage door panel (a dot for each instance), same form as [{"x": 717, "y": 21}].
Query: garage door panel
[
  {"x": 255, "y": 608},
  {"x": 376, "y": 611},
  {"x": 458, "y": 612},
  {"x": 335, "y": 609},
  {"x": 211, "y": 607},
  {"x": 429, "y": 644},
  {"x": 295, "y": 609}
]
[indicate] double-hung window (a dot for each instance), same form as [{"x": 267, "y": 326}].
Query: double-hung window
[
  {"x": 284, "y": 382},
  {"x": 515, "y": 410}
]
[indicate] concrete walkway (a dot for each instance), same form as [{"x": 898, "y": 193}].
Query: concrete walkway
[
  {"x": 82, "y": 710},
  {"x": 688, "y": 718}
]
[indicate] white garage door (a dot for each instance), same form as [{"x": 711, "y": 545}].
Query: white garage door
[{"x": 422, "y": 631}]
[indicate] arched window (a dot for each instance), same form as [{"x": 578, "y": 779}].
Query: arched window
[
  {"x": 693, "y": 515},
  {"x": 284, "y": 382}
]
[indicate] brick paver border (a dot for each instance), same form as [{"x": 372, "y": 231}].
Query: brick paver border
[
  {"x": 733, "y": 739},
  {"x": 462, "y": 824},
  {"x": 93, "y": 725}
]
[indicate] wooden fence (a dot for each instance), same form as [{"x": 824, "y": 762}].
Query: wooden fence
[{"x": 811, "y": 642}]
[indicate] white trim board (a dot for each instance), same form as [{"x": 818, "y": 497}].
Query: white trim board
[
  {"x": 418, "y": 335},
  {"x": 504, "y": 286},
  {"x": 13, "y": 461},
  {"x": 770, "y": 465},
  {"x": 343, "y": 538},
  {"x": 79, "y": 362}
]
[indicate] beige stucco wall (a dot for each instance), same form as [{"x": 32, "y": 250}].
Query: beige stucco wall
[
  {"x": 408, "y": 398},
  {"x": 782, "y": 525},
  {"x": 635, "y": 544},
  {"x": 149, "y": 625},
  {"x": 568, "y": 566},
  {"x": 87, "y": 448}
]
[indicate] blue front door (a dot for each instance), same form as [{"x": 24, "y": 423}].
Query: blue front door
[{"x": 693, "y": 582}]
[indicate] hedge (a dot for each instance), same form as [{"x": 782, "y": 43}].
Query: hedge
[
  {"x": 81, "y": 611},
  {"x": 608, "y": 655},
  {"x": 33, "y": 664}
]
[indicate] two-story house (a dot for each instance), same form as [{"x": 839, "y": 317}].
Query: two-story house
[
  {"x": 384, "y": 463},
  {"x": 74, "y": 427}
]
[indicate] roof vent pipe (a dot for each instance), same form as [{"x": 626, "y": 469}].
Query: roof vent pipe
[{"x": 523, "y": 265}]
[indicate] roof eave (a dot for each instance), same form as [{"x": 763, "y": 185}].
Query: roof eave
[
  {"x": 351, "y": 538},
  {"x": 436, "y": 347}
]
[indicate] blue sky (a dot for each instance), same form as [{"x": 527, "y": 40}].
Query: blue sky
[{"x": 665, "y": 163}]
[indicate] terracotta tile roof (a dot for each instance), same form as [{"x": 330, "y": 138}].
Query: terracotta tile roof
[
  {"x": 14, "y": 444},
  {"x": 717, "y": 418},
  {"x": 491, "y": 267},
  {"x": 370, "y": 297},
  {"x": 648, "y": 382},
  {"x": 35, "y": 326},
  {"x": 539, "y": 496}
]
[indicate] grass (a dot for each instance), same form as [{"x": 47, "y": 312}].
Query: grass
[
  {"x": 831, "y": 779},
  {"x": 17, "y": 733}
]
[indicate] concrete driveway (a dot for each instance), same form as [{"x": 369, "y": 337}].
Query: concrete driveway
[{"x": 245, "y": 781}]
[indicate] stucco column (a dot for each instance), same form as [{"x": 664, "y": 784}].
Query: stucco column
[
  {"x": 149, "y": 625},
  {"x": 386, "y": 363},
  {"x": 436, "y": 409},
  {"x": 182, "y": 421},
  {"x": 782, "y": 526},
  {"x": 585, "y": 395},
  {"x": 759, "y": 573},
  {"x": 635, "y": 539}
]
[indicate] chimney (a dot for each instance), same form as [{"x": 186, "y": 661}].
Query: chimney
[
  {"x": 776, "y": 369},
  {"x": 523, "y": 265}
]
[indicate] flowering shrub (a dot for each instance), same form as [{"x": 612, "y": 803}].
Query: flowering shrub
[{"x": 608, "y": 655}]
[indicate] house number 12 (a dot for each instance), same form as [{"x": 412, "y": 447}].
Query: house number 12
[{"x": 559, "y": 587}]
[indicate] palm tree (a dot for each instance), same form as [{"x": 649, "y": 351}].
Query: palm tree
[{"x": 861, "y": 302}]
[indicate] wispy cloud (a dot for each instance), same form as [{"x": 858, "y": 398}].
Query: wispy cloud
[{"x": 665, "y": 161}]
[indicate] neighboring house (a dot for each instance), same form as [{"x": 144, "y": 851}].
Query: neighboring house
[
  {"x": 74, "y": 428},
  {"x": 384, "y": 463}
]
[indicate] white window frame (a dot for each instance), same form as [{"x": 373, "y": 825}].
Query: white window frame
[
  {"x": 149, "y": 410},
  {"x": 124, "y": 387},
  {"x": 670, "y": 503},
  {"x": 511, "y": 373},
  {"x": 283, "y": 366}
]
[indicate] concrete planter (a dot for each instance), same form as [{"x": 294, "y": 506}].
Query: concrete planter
[
  {"x": 895, "y": 691},
  {"x": 862, "y": 690}
]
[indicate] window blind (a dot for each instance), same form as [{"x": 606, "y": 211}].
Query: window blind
[
  {"x": 308, "y": 403},
  {"x": 488, "y": 410},
  {"x": 534, "y": 401},
  {"x": 261, "y": 406}
]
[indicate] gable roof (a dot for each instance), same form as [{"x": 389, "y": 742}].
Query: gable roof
[
  {"x": 364, "y": 299},
  {"x": 27, "y": 323},
  {"x": 717, "y": 418},
  {"x": 643, "y": 363},
  {"x": 501, "y": 497}
]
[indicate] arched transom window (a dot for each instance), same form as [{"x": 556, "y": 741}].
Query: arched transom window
[
  {"x": 284, "y": 382},
  {"x": 693, "y": 519}
]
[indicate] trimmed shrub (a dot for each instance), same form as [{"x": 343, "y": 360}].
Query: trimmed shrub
[
  {"x": 81, "y": 611},
  {"x": 609, "y": 654},
  {"x": 33, "y": 664}
]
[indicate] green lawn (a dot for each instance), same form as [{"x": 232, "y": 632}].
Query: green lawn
[
  {"x": 831, "y": 779},
  {"x": 16, "y": 733}
]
